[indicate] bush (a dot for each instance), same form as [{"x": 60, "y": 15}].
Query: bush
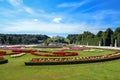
[{"x": 2, "y": 61}]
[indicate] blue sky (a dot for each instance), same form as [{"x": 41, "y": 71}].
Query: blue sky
[{"x": 58, "y": 17}]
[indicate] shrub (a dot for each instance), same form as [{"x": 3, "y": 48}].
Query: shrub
[{"x": 2, "y": 61}]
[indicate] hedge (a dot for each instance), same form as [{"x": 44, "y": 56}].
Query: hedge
[{"x": 2, "y": 61}]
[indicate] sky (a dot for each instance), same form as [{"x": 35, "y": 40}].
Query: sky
[{"x": 58, "y": 17}]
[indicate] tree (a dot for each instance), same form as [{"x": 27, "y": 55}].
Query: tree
[
  {"x": 21, "y": 38},
  {"x": 99, "y": 34},
  {"x": 117, "y": 36},
  {"x": 72, "y": 38},
  {"x": 107, "y": 36}
]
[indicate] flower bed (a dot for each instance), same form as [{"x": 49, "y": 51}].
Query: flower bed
[
  {"x": 17, "y": 55},
  {"x": 79, "y": 48},
  {"x": 12, "y": 48},
  {"x": 61, "y": 53},
  {"x": 74, "y": 48},
  {"x": 20, "y": 51},
  {"x": 2, "y": 52},
  {"x": 73, "y": 60},
  {"x": 1, "y": 57}
]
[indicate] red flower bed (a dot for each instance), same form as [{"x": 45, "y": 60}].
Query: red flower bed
[
  {"x": 55, "y": 53},
  {"x": 1, "y": 57},
  {"x": 61, "y": 53},
  {"x": 42, "y": 51},
  {"x": 12, "y": 48},
  {"x": 20, "y": 51},
  {"x": 2, "y": 52}
]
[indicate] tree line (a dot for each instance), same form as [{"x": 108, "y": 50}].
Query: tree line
[
  {"x": 103, "y": 38},
  {"x": 22, "y": 39}
]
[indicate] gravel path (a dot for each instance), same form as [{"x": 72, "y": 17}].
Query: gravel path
[{"x": 102, "y": 47}]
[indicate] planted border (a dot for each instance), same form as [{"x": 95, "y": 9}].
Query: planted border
[
  {"x": 55, "y": 54},
  {"x": 73, "y": 60}
]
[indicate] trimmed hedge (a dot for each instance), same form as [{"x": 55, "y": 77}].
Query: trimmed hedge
[{"x": 2, "y": 61}]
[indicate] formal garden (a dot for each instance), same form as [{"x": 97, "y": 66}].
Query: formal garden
[{"x": 65, "y": 63}]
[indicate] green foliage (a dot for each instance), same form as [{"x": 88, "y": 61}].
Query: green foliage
[
  {"x": 72, "y": 38},
  {"x": 21, "y": 38},
  {"x": 2, "y": 61},
  {"x": 117, "y": 35},
  {"x": 107, "y": 38},
  {"x": 57, "y": 40},
  {"x": 99, "y": 34}
]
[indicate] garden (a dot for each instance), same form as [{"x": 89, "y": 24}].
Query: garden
[{"x": 56, "y": 63}]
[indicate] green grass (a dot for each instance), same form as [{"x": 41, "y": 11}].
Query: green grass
[{"x": 15, "y": 69}]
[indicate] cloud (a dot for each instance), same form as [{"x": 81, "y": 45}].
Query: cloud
[
  {"x": 73, "y": 4},
  {"x": 57, "y": 20},
  {"x": 15, "y": 2},
  {"x": 32, "y": 26},
  {"x": 106, "y": 14},
  {"x": 20, "y": 6},
  {"x": 45, "y": 22},
  {"x": 47, "y": 28},
  {"x": 28, "y": 10},
  {"x": 35, "y": 20}
]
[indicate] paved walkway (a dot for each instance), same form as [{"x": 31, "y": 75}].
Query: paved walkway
[{"x": 102, "y": 47}]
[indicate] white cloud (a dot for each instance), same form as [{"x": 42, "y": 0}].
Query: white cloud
[
  {"x": 73, "y": 4},
  {"x": 15, "y": 2},
  {"x": 35, "y": 20},
  {"x": 20, "y": 6},
  {"x": 28, "y": 10},
  {"x": 47, "y": 28},
  {"x": 30, "y": 26},
  {"x": 57, "y": 20}
]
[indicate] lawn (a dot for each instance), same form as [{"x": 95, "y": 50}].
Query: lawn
[{"x": 15, "y": 69}]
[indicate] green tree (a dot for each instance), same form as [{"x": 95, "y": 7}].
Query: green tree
[{"x": 107, "y": 36}]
